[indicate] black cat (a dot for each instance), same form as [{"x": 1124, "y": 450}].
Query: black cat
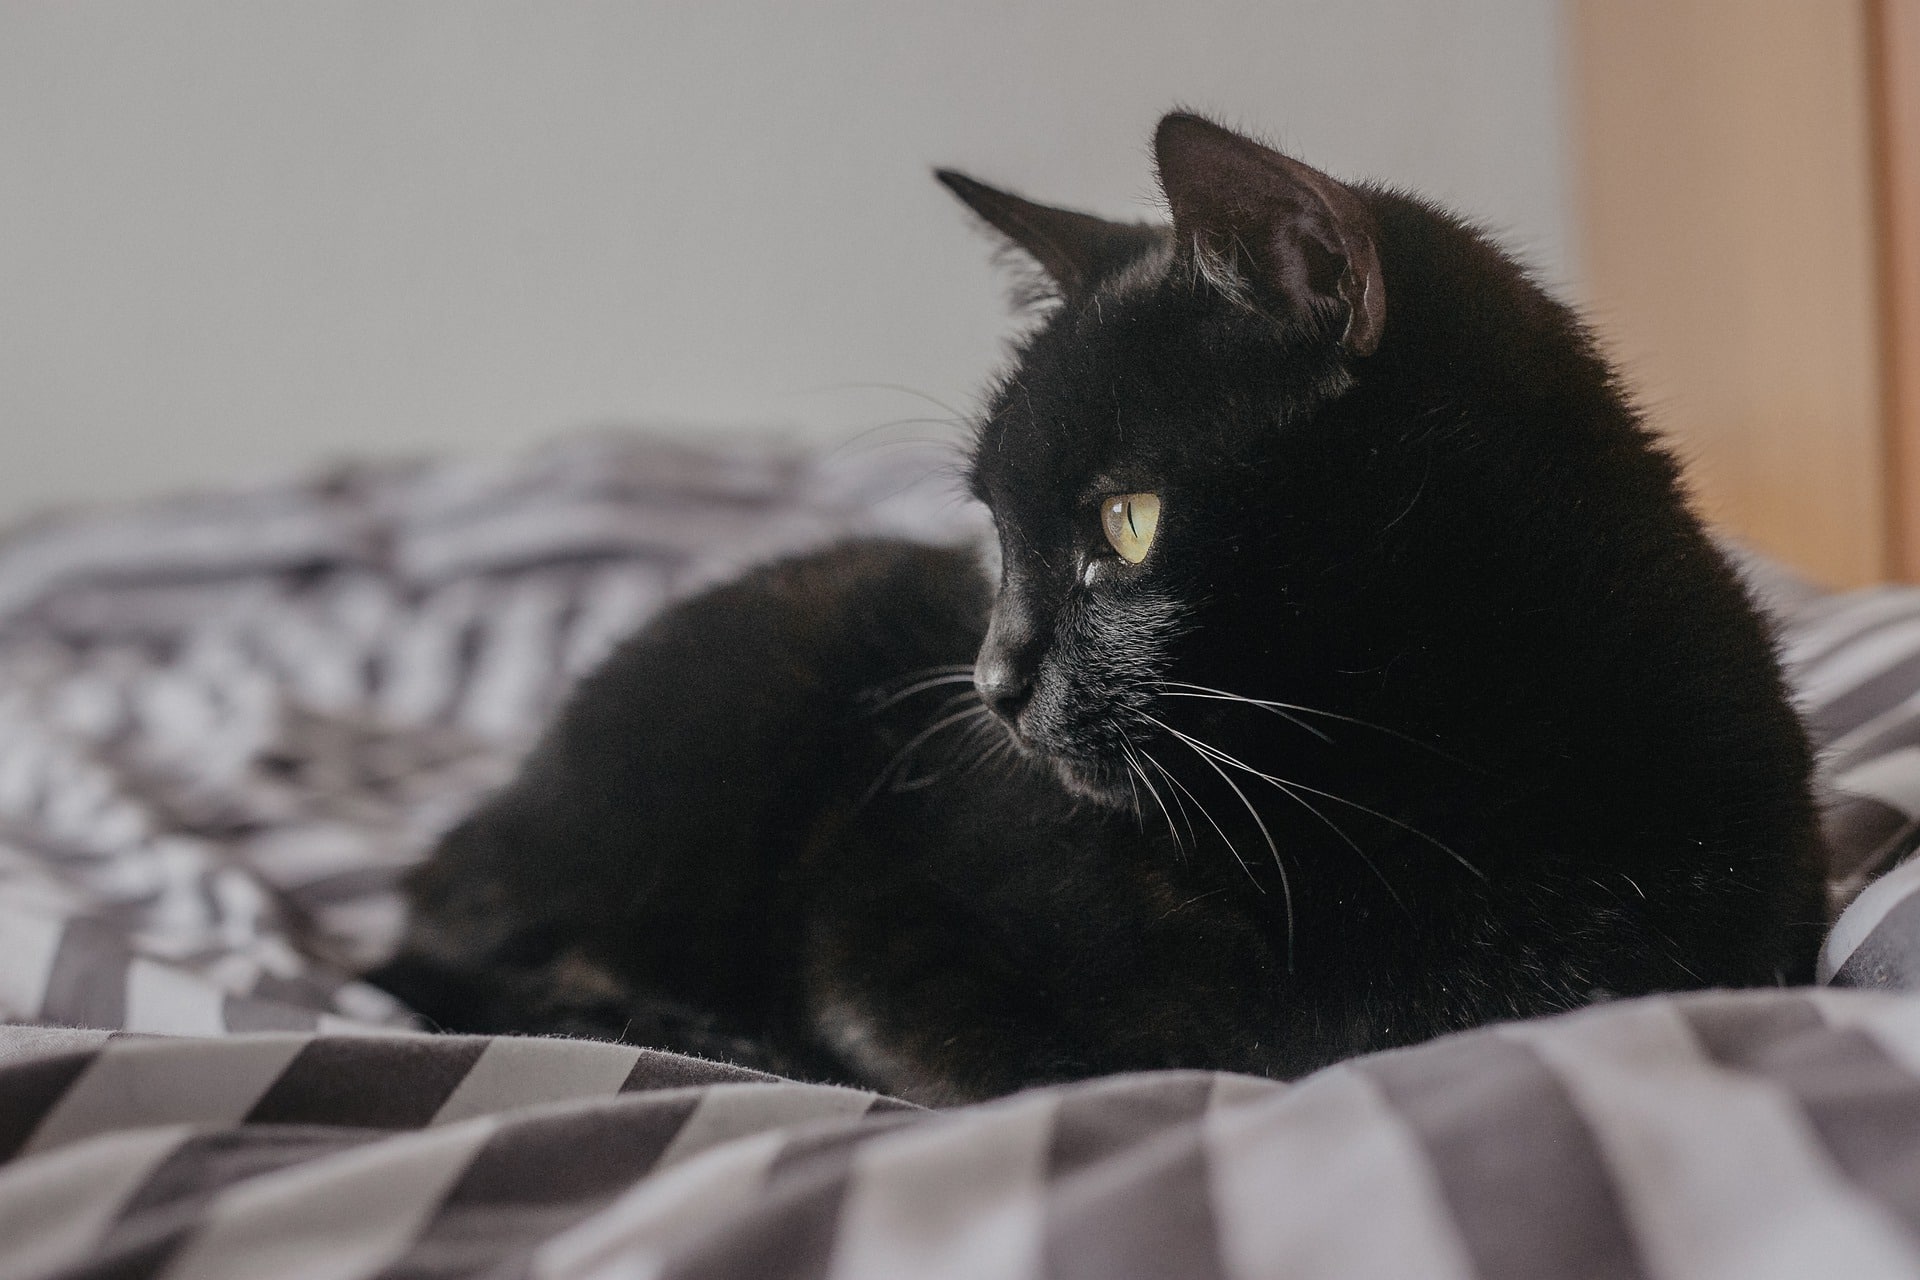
[{"x": 1355, "y": 672}]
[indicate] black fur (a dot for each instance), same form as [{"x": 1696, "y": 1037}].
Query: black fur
[{"x": 1548, "y": 757}]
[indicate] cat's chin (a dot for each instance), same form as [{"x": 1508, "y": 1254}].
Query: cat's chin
[
  {"x": 1084, "y": 778},
  {"x": 1088, "y": 781}
]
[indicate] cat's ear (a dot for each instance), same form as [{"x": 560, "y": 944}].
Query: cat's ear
[
  {"x": 1075, "y": 250},
  {"x": 1299, "y": 237}
]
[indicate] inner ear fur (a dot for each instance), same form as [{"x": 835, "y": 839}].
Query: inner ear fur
[{"x": 1303, "y": 240}]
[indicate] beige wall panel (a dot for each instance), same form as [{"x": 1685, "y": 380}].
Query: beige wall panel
[
  {"x": 1897, "y": 56},
  {"x": 1726, "y": 194}
]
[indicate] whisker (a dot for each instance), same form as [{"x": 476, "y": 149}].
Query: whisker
[
  {"x": 1003, "y": 748},
  {"x": 908, "y": 677},
  {"x": 977, "y": 740},
  {"x": 1172, "y": 686},
  {"x": 914, "y": 742},
  {"x": 986, "y": 747},
  {"x": 1333, "y": 826},
  {"x": 1133, "y": 763},
  {"x": 904, "y": 390},
  {"x": 1192, "y": 839},
  {"x": 1139, "y": 816},
  {"x": 860, "y": 439},
  {"x": 1214, "y": 823},
  {"x": 922, "y": 686},
  {"x": 1274, "y": 708},
  {"x": 1286, "y": 885},
  {"x": 1409, "y": 828},
  {"x": 1350, "y": 842}
]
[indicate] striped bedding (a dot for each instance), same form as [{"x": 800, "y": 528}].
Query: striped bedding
[{"x": 229, "y": 721}]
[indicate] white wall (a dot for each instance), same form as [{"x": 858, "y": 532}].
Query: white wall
[{"x": 237, "y": 236}]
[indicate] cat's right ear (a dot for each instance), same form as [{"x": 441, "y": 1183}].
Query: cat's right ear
[{"x": 1075, "y": 250}]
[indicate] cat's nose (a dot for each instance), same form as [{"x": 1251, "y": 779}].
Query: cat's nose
[
  {"x": 1009, "y": 658},
  {"x": 1004, "y": 690}
]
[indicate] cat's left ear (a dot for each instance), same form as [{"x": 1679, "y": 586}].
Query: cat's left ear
[
  {"x": 1305, "y": 241},
  {"x": 1076, "y": 250}
]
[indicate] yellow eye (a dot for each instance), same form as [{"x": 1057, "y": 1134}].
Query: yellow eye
[{"x": 1129, "y": 521}]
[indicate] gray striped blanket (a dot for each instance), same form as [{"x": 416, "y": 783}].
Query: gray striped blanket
[{"x": 228, "y": 722}]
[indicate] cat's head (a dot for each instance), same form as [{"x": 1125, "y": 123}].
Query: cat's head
[{"x": 1197, "y": 448}]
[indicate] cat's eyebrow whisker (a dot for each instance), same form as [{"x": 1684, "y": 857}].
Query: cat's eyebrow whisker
[{"x": 1211, "y": 752}]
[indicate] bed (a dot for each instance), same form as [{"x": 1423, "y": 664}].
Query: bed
[{"x": 230, "y": 721}]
